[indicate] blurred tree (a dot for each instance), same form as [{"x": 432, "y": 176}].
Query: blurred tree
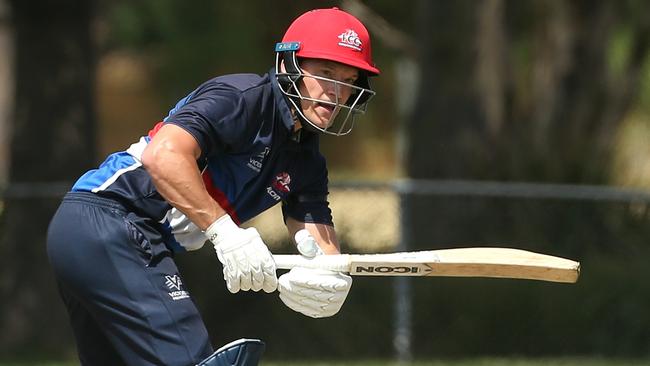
[
  {"x": 6, "y": 87},
  {"x": 521, "y": 91},
  {"x": 508, "y": 90},
  {"x": 524, "y": 91},
  {"x": 52, "y": 141},
  {"x": 551, "y": 81},
  {"x": 185, "y": 43},
  {"x": 190, "y": 41}
]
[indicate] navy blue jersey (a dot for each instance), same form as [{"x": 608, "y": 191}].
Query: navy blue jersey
[{"x": 251, "y": 157}]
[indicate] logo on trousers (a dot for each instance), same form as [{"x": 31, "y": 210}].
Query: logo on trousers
[{"x": 175, "y": 284}]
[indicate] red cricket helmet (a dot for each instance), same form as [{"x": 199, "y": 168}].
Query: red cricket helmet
[{"x": 334, "y": 35}]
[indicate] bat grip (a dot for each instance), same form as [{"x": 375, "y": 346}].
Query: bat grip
[{"x": 337, "y": 262}]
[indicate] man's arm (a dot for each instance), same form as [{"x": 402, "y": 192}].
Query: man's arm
[
  {"x": 324, "y": 235},
  {"x": 170, "y": 158}
]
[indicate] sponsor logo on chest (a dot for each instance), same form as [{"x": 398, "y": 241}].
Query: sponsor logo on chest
[
  {"x": 280, "y": 185},
  {"x": 257, "y": 161}
]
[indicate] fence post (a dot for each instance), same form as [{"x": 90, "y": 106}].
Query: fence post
[
  {"x": 403, "y": 303},
  {"x": 407, "y": 81}
]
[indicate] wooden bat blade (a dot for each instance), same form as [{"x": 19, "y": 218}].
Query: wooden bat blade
[
  {"x": 460, "y": 262},
  {"x": 471, "y": 262}
]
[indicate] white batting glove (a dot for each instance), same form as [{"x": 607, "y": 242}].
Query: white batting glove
[
  {"x": 306, "y": 244},
  {"x": 247, "y": 262},
  {"x": 314, "y": 292}
]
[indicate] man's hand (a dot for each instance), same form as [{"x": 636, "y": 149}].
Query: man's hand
[
  {"x": 313, "y": 292},
  {"x": 247, "y": 262}
]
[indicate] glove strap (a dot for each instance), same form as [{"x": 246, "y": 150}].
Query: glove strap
[{"x": 219, "y": 227}]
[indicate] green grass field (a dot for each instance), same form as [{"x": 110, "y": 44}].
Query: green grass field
[
  {"x": 472, "y": 362},
  {"x": 480, "y": 362}
]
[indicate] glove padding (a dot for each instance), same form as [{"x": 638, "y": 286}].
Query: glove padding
[
  {"x": 306, "y": 244},
  {"x": 247, "y": 262},
  {"x": 314, "y": 292}
]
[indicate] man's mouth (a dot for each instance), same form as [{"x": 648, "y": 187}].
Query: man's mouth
[{"x": 329, "y": 107}]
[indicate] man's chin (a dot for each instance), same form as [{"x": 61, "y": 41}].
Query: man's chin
[{"x": 322, "y": 123}]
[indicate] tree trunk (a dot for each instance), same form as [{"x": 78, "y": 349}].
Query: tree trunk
[
  {"x": 446, "y": 119},
  {"x": 52, "y": 141},
  {"x": 6, "y": 89}
]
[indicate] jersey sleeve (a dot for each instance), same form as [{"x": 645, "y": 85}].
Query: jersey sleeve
[
  {"x": 309, "y": 204},
  {"x": 215, "y": 115}
]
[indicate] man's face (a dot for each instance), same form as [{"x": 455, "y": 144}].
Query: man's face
[{"x": 322, "y": 114}]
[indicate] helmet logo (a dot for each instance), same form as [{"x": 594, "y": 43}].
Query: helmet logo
[{"x": 350, "y": 39}]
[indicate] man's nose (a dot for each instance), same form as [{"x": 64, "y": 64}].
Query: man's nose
[{"x": 333, "y": 91}]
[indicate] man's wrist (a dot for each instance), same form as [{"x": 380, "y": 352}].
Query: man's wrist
[{"x": 219, "y": 227}]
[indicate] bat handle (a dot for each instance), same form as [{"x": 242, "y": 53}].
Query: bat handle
[{"x": 338, "y": 262}]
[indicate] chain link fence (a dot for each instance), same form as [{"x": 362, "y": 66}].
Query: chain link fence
[
  {"x": 366, "y": 217},
  {"x": 605, "y": 313},
  {"x": 606, "y": 228}
]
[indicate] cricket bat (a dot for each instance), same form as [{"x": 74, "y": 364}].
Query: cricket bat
[{"x": 460, "y": 262}]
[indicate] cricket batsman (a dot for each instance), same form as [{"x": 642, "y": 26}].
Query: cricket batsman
[{"x": 234, "y": 147}]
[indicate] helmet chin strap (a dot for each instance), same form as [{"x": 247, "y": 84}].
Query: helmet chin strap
[
  {"x": 301, "y": 122},
  {"x": 291, "y": 75}
]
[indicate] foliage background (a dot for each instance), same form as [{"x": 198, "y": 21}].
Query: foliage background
[{"x": 487, "y": 90}]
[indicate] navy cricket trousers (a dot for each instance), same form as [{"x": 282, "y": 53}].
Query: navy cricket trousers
[{"x": 125, "y": 298}]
